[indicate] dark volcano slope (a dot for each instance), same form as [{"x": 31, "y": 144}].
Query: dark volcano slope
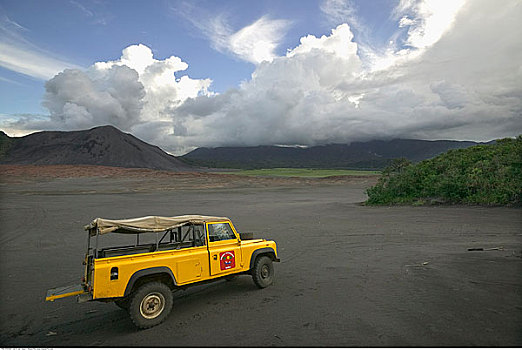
[
  {"x": 357, "y": 155},
  {"x": 104, "y": 145}
]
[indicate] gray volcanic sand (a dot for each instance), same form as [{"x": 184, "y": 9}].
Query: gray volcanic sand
[{"x": 350, "y": 275}]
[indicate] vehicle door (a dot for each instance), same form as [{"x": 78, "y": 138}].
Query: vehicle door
[
  {"x": 192, "y": 254},
  {"x": 224, "y": 248}
]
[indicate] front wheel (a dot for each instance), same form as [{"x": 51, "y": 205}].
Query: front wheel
[
  {"x": 150, "y": 304},
  {"x": 263, "y": 272}
]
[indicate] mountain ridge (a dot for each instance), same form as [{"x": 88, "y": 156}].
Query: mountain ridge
[
  {"x": 375, "y": 154},
  {"x": 107, "y": 145},
  {"x": 102, "y": 145}
]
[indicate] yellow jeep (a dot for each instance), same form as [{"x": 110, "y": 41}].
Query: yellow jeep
[{"x": 179, "y": 251}]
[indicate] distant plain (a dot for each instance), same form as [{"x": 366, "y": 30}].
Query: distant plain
[{"x": 303, "y": 172}]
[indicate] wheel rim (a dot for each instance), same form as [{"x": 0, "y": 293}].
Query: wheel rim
[
  {"x": 152, "y": 305},
  {"x": 265, "y": 271}
]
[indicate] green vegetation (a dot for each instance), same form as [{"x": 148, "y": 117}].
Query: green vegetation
[
  {"x": 485, "y": 174},
  {"x": 298, "y": 172}
]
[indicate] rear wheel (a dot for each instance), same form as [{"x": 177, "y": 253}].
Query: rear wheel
[
  {"x": 263, "y": 272},
  {"x": 150, "y": 304}
]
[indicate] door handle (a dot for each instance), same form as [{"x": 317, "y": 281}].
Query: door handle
[{"x": 215, "y": 256}]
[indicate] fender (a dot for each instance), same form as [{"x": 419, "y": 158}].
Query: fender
[
  {"x": 263, "y": 251},
  {"x": 147, "y": 272}
]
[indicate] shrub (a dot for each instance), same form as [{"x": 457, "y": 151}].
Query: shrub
[{"x": 484, "y": 174}]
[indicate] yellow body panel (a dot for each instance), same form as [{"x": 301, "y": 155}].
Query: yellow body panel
[{"x": 188, "y": 265}]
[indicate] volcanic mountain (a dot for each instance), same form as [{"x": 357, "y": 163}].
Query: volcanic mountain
[
  {"x": 357, "y": 155},
  {"x": 103, "y": 145}
]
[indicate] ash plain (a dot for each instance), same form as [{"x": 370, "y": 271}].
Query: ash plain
[{"x": 350, "y": 275}]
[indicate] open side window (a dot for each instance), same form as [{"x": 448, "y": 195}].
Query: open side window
[
  {"x": 199, "y": 235},
  {"x": 187, "y": 236},
  {"x": 220, "y": 232},
  {"x": 190, "y": 235}
]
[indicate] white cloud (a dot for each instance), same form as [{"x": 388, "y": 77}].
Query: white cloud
[
  {"x": 466, "y": 84},
  {"x": 96, "y": 15},
  {"x": 255, "y": 43},
  {"x": 338, "y": 44},
  {"x": 427, "y": 20},
  {"x": 30, "y": 62},
  {"x": 17, "y": 125},
  {"x": 340, "y": 11},
  {"x": 10, "y": 81},
  {"x": 421, "y": 24},
  {"x": 258, "y": 41},
  {"x": 127, "y": 93},
  {"x": 19, "y": 55},
  {"x": 78, "y": 99},
  {"x": 163, "y": 91},
  {"x": 459, "y": 87},
  {"x": 82, "y": 8},
  {"x": 405, "y": 22}
]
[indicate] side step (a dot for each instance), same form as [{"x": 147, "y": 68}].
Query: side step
[{"x": 63, "y": 292}]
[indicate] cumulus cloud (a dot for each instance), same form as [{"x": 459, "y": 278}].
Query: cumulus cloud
[
  {"x": 163, "y": 91},
  {"x": 131, "y": 93},
  {"x": 78, "y": 99},
  {"x": 450, "y": 83},
  {"x": 463, "y": 83}
]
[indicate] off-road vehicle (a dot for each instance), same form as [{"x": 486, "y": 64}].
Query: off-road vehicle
[{"x": 185, "y": 250}]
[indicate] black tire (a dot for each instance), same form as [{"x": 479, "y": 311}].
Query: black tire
[
  {"x": 150, "y": 304},
  {"x": 263, "y": 272},
  {"x": 123, "y": 303}
]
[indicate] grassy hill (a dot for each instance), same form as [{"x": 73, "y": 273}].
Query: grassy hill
[{"x": 485, "y": 174}]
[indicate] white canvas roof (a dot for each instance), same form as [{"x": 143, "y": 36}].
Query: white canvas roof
[{"x": 147, "y": 223}]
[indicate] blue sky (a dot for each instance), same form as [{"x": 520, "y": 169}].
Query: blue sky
[
  {"x": 239, "y": 55},
  {"x": 84, "y": 32}
]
